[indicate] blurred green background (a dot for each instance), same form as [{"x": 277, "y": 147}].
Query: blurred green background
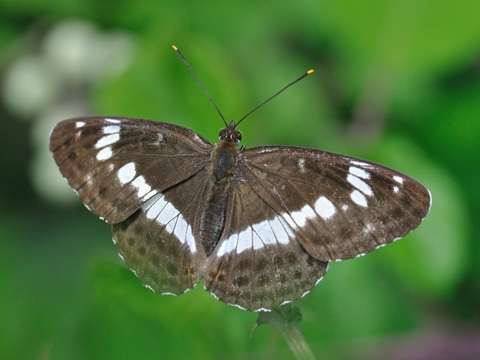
[{"x": 396, "y": 81}]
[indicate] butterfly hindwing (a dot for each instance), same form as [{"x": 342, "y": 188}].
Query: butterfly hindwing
[
  {"x": 116, "y": 164},
  {"x": 258, "y": 264},
  {"x": 160, "y": 242}
]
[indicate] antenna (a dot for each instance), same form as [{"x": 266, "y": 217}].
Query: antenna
[
  {"x": 213, "y": 102},
  {"x": 199, "y": 82},
  {"x": 275, "y": 95}
]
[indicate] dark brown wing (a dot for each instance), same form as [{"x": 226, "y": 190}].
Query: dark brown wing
[
  {"x": 291, "y": 210},
  {"x": 258, "y": 263},
  {"x": 338, "y": 207},
  {"x": 161, "y": 241},
  {"x": 116, "y": 164}
]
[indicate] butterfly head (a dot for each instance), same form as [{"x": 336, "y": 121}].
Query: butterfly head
[{"x": 230, "y": 134}]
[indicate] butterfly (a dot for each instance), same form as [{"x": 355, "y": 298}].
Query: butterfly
[{"x": 258, "y": 225}]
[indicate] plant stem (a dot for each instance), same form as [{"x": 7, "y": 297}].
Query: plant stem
[{"x": 286, "y": 320}]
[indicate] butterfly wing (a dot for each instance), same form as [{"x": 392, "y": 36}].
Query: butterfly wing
[
  {"x": 291, "y": 210},
  {"x": 338, "y": 207},
  {"x": 116, "y": 164},
  {"x": 144, "y": 177},
  {"x": 160, "y": 242},
  {"x": 258, "y": 264}
]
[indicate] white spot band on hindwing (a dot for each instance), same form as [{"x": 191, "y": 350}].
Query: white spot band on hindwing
[
  {"x": 164, "y": 213},
  {"x": 267, "y": 232},
  {"x": 277, "y": 230}
]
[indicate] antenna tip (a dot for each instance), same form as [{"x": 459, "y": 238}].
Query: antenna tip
[
  {"x": 310, "y": 71},
  {"x": 176, "y": 49}
]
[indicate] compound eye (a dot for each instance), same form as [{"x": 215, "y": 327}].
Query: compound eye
[
  {"x": 222, "y": 133},
  {"x": 238, "y": 135}
]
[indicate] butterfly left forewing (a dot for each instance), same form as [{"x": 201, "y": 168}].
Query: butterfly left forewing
[
  {"x": 338, "y": 207},
  {"x": 116, "y": 164}
]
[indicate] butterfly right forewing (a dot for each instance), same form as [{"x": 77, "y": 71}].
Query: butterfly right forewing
[{"x": 338, "y": 207}]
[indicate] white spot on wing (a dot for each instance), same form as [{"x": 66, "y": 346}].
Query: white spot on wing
[
  {"x": 244, "y": 240},
  {"x": 289, "y": 220},
  {"x": 105, "y": 154},
  {"x": 159, "y": 139},
  {"x": 126, "y": 173},
  {"x": 107, "y": 140},
  {"x": 281, "y": 230},
  {"x": 142, "y": 187},
  {"x": 324, "y": 208},
  {"x": 111, "y": 129},
  {"x": 396, "y": 190},
  {"x": 300, "y": 217},
  {"x": 398, "y": 179},
  {"x": 361, "y": 164},
  {"x": 257, "y": 243},
  {"x": 163, "y": 212},
  {"x": 154, "y": 206},
  {"x": 358, "y": 198},
  {"x": 112, "y": 121},
  {"x": 359, "y": 172},
  {"x": 256, "y": 236},
  {"x": 360, "y": 184},
  {"x": 262, "y": 233},
  {"x": 301, "y": 165},
  {"x": 79, "y": 124},
  {"x": 368, "y": 228},
  {"x": 228, "y": 245}
]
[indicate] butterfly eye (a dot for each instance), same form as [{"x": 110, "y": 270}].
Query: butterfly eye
[
  {"x": 222, "y": 133},
  {"x": 238, "y": 135}
]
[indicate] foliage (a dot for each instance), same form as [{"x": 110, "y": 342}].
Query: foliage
[{"x": 395, "y": 82}]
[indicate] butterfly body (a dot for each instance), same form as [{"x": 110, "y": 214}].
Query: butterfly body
[{"x": 258, "y": 225}]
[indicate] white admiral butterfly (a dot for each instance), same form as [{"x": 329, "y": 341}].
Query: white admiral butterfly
[{"x": 258, "y": 225}]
